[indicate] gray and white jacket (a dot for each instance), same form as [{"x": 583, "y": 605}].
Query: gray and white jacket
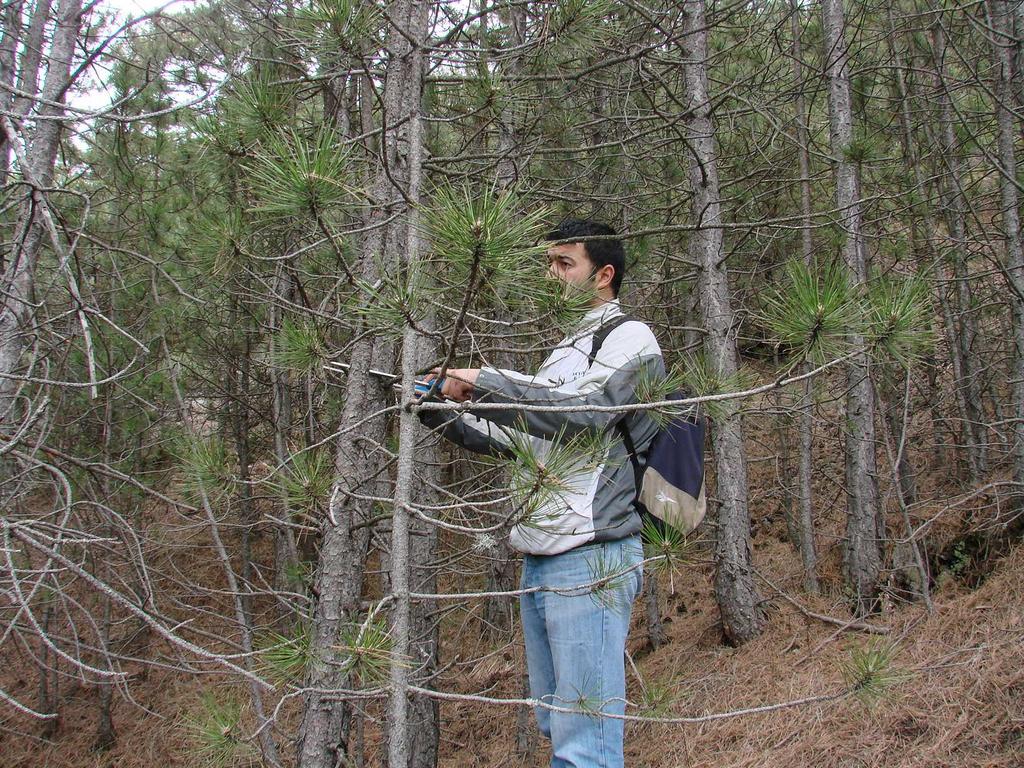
[{"x": 595, "y": 502}]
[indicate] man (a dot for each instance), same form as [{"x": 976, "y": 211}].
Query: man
[{"x": 575, "y": 639}]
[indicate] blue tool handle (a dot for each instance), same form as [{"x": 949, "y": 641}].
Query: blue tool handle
[{"x": 422, "y": 387}]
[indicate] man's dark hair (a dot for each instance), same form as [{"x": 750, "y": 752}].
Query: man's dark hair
[{"x": 607, "y": 250}]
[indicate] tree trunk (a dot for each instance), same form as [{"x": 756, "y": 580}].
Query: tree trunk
[
  {"x": 17, "y": 311},
  {"x": 656, "y": 636},
  {"x": 1003, "y": 43},
  {"x": 961, "y": 327},
  {"x": 907, "y": 559},
  {"x": 47, "y": 698},
  {"x": 105, "y": 734},
  {"x": 526, "y": 724},
  {"x": 32, "y": 57},
  {"x": 401, "y": 736},
  {"x": 501, "y": 562},
  {"x": 509, "y": 151},
  {"x": 735, "y": 591},
  {"x": 239, "y": 416},
  {"x": 805, "y": 419},
  {"x": 413, "y": 724},
  {"x": 783, "y": 463},
  {"x": 424, "y": 711},
  {"x": 862, "y": 557},
  {"x": 342, "y": 557},
  {"x": 286, "y": 558},
  {"x": 106, "y": 737},
  {"x": 323, "y": 734},
  {"x": 8, "y": 56}
]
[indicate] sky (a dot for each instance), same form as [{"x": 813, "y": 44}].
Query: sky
[
  {"x": 92, "y": 96},
  {"x": 126, "y": 8}
]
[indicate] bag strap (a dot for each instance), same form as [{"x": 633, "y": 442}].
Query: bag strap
[
  {"x": 600, "y": 335},
  {"x": 631, "y": 451}
]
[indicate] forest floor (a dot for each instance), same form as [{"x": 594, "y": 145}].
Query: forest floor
[{"x": 956, "y": 696}]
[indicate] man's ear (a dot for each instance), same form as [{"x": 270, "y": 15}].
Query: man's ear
[{"x": 604, "y": 276}]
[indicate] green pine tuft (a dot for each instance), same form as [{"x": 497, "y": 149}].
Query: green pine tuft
[
  {"x": 299, "y": 347},
  {"x": 540, "y": 476},
  {"x": 296, "y": 177},
  {"x": 300, "y": 575},
  {"x": 869, "y": 670},
  {"x": 702, "y": 378},
  {"x": 487, "y": 242},
  {"x": 206, "y": 467},
  {"x": 347, "y": 25},
  {"x": 285, "y": 659},
  {"x": 815, "y": 313},
  {"x": 216, "y": 734},
  {"x": 673, "y": 548},
  {"x": 397, "y": 299},
  {"x": 368, "y": 649},
  {"x": 608, "y": 581},
  {"x": 219, "y": 242},
  {"x": 899, "y": 308},
  {"x": 575, "y": 26},
  {"x": 254, "y": 107},
  {"x": 654, "y": 387},
  {"x": 657, "y": 699},
  {"x": 306, "y": 481},
  {"x": 485, "y": 228}
]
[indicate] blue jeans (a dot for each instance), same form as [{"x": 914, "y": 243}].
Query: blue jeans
[{"x": 575, "y": 643}]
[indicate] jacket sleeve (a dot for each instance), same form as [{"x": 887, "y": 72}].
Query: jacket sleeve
[
  {"x": 471, "y": 432},
  {"x": 611, "y": 380}
]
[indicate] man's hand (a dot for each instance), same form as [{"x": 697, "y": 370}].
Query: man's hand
[{"x": 458, "y": 382}]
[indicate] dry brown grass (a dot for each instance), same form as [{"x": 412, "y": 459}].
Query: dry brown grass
[{"x": 961, "y": 704}]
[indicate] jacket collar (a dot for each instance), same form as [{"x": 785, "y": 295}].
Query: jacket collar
[
  {"x": 601, "y": 314},
  {"x": 594, "y": 319}
]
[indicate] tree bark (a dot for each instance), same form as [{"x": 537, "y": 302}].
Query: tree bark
[
  {"x": 805, "y": 419},
  {"x": 286, "y": 558},
  {"x": 1003, "y": 44},
  {"x": 46, "y": 701},
  {"x": 41, "y": 144},
  {"x": 8, "y": 57},
  {"x": 656, "y": 636},
  {"x": 32, "y": 56},
  {"x": 862, "y": 556},
  {"x": 268, "y": 746},
  {"x": 960, "y": 322},
  {"x": 339, "y": 582},
  {"x": 501, "y": 563},
  {"x": 735, "y": 591},
  {"x": 401, "y": 737},
  {"x": 239, "y": 419},
  {"x": 424, "y": 711},
  {"x": 106, "y": 737},
  {"x": 907, "y": 560}
]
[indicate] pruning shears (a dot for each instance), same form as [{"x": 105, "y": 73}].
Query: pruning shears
[{"x": 422, "y": 386}]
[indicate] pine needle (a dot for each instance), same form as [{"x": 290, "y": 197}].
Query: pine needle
[
  {"x": 869, "y": 670},
  {"x": 899, "y": 317},
  {"x": 815, "y": 313},
  {"x": 301, "y": 177},
  {"x": 216, "y": 734},
  {"x": 283, "y": 658}
]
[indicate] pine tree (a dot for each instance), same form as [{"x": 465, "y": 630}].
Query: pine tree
[{"x": 865, "y": 525}]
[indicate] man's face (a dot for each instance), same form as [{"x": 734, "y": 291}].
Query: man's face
[{"x": 569, "y": 263}]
